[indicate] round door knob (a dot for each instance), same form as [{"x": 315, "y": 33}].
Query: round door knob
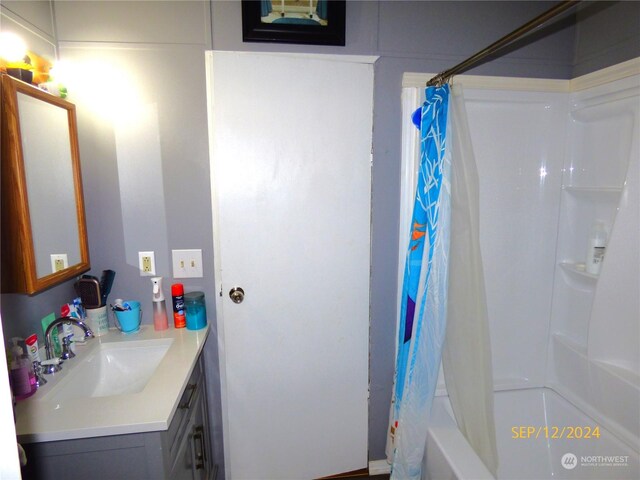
[{"x": 236, "y": 294}]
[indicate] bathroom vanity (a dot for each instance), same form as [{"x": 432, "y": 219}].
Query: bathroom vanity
[{"x": 145, "y": 419}]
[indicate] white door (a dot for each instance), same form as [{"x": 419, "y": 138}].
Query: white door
[{"x": 290, "y": 140}]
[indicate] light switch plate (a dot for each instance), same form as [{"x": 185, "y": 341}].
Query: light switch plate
[{"x": 187, "y": 263}]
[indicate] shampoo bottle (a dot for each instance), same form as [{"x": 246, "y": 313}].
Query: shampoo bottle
[
  {"x": 160, "y": 320},
  {"x": 597, "y": 245}
]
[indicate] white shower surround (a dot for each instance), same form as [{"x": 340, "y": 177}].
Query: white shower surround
[
  {"x": 543, "y": 140},
  {"x": 526, "y": 454}
]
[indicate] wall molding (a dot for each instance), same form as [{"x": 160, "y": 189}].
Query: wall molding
[
  {"x": 26, "y": 25},
  {"x": 367, "y": 59},
  {"x": 606, "y": 75},
  {"x": 590, "y": 80},
  {"x": 411, "y": 79}
]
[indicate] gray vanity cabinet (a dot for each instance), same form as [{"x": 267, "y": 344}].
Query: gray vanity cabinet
[
  {"x": 184, "y": 451},
  {"x": 193, "y": 460}
]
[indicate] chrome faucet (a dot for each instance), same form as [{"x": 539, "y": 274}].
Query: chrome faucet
[{"x": 49, "y": 366}]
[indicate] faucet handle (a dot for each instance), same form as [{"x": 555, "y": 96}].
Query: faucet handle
[
  {"x": 37, "y": 369},
  {"x": 52, "y": 365},
  {"x": 67, "y": 353}
]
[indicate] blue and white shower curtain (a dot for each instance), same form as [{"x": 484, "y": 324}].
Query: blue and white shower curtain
[
  {"x": 420, "y": 339},
  {"x": 443, "y": 294}
]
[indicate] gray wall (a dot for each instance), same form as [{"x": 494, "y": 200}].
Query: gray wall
[
  {"x": 162, "y": 45},
  {"x": 607, "y": 33}
]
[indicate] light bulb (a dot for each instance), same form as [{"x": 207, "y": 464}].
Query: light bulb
[{"x": 12, "y": 47}]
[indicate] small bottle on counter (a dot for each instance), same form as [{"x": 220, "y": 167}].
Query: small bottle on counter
[
  {"x": 177, "y": 297},
  {"x": 32, "y": 348},
  {"x": 196, "y": 310},
  {"x": 160, "y": 320}
]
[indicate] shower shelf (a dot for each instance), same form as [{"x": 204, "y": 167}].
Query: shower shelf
[
  {"x": 625, "y": 372},
  {"x": 594, "y": 192},
  {"x": 572, "y": 269}
]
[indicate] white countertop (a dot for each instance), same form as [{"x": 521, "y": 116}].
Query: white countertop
[{"x": 41, "y": 420}]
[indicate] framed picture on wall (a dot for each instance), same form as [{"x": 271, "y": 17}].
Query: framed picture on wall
[{"x": 311, "y": 22}]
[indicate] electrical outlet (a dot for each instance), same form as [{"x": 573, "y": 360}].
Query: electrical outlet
[
  {"x": 147, "y": 264},
  {"x": 187, "y": 263},
  {"x": 59, "y": 262}
]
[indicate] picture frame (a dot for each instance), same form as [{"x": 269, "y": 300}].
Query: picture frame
[{"x": 322, "y": 22}]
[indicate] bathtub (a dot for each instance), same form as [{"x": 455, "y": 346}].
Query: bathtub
[{"x": 521, "y": 455}]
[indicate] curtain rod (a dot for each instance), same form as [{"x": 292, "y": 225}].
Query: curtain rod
[{"x": 540, "y": 20}]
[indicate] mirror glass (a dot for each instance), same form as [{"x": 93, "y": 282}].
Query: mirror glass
[{"x": 46, "y": 147}]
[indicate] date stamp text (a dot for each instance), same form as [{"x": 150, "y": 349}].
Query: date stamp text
[{"x": 532, "y": 432}]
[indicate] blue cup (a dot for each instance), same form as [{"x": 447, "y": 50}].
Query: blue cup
[{"x": 128, "y": 321}]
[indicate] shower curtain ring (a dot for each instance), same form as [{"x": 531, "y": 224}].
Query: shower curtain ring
[{"x": 439, "y": 80}]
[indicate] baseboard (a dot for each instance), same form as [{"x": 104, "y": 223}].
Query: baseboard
[{"x": 379, "y": 467}]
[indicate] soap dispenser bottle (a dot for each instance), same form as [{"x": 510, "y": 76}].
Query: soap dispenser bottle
[
  {"x": 23, "y": 380},
  {"x": 160, "y": 320}
]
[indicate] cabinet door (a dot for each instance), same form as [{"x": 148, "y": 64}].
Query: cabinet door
[
  {"x": 183, "y": 468},
  {"x": 44, "y": 234},
  {"x": 193, "y": 460},
  {"x": 200, "y": 443}
]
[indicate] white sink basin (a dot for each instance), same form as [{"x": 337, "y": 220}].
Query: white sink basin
[{"x": 117, "y": 368}]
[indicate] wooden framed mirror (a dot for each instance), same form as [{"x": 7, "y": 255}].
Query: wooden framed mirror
[{"x": 44, "y": 235}]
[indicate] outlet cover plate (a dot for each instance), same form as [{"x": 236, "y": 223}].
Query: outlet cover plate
[
  {"x": 147, "y": 264},
  {"x": 59, "y": 261},
  {"x": 187, "y": 263}
]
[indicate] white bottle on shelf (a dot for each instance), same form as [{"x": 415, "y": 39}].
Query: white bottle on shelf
[{"x": 597, "y": 245}]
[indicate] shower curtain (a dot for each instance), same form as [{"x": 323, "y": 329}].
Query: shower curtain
[{"x": 443, "y": 290}]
